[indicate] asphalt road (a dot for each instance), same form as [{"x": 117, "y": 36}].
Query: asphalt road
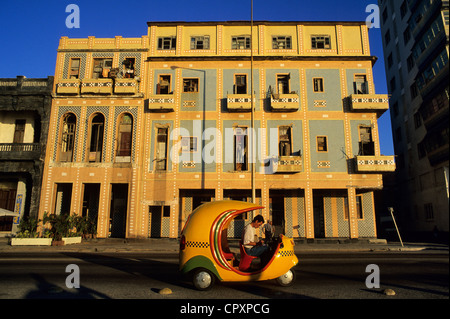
[{"x": 412, "y": 275}]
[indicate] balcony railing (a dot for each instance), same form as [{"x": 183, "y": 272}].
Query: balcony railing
[
  {"x": 20, "y": 151},
  {"x": 289, "y": 164},
  {"x": 369, "y": 102},
  {"x": 283, "y": 164},
  {"x": 285, "y": 102},
  {"x": 239, "y": 102},
  {"x": 97, "y": 86},
  {"x": 125, "y": 86},
  {"x": 376, "y": 164},
  {"x": 71, "y": 86},
  {"x": 161, "y": 103}
]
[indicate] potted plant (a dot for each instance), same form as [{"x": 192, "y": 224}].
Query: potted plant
[
  {"x": 59, "y": 227},
  {"x": 85, "y": 227},
  {"x": 74, "y": 230},
  {"x": 28, "y": 235},
  {"x": 91, "y": 228}
]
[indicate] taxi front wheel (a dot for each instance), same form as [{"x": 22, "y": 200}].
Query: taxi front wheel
[
  {"x": 287, "y": 279},
  {"x": 203, "y": 279}
]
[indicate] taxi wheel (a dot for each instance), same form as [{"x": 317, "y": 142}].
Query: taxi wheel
[
  {"x": 287, "y": 279},
  {"x": 203, "y": 279}
]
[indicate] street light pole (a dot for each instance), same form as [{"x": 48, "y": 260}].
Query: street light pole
[{"x": 252, "y": 131}]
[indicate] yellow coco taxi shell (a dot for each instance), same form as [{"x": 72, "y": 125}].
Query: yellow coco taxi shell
[{"x": 204, "y": 251}]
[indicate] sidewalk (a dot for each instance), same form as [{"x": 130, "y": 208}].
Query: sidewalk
[{"x": 166, "y": 245}]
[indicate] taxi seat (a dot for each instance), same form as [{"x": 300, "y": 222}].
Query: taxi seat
[
  {"x": 225, "y": 248},
  {"x": 246, "y": 260}
]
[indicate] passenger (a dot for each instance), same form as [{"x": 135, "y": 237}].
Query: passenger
[
  {"x": 268, "y": 230},
  {"x": 252, "y": 245}
]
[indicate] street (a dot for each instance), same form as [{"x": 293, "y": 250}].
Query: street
[{"x": 340, "y": 275}]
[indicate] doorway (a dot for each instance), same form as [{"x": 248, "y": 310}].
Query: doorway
[
  {"x": 277, "y": 209},
  {"x": 159, "y": 216},
  {"x": 63, "y": 198},
  {"x": 319, "y": 216},
  {"x": 91, "y": 198},
  {"x": 190, "y": 199},
  {"x": 118, "y": 210}
]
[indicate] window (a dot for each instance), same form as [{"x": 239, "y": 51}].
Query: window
[
  {"x": 240, "y": 149},
  {"x": 390, "y": 61},
  {"x": 200, "y": 43},
  {"x": 164, "y": 86},
  {"x": 421, "y": 150},
  {"x": 366, "y": 144},
  {"x": 240, "y": 84},
  {"x": 387, "y": 37},
  {"x": 406, "y": 36},
  {"x": 101, "y": 69},
  {"x": 189, "y": 144},
  {"x": 74, "y": 70},
  {"x": 167, "y": 43},
  {"x": 410, "y": 63},
  {"x": 385, "y": 15},
  {"x": 6, "y": 223},
  {"x": 360, "y": 86},
  {"x": 125, "y": 136},
  {"x": 128, "y": 68},
  {"x": 190, "y": 85},
  {"x": 403, "y": 9},
  {"x": 240, "y": 42},
  {"x": 318, "y": 85},
  {"x": 19, "y": 131},
  {"x": 320, "y": 42},
  {"x": 285, "y": 140},
  {"x": 393, "y": 85},
  {"x": 395, "y": 108},
  {"x": 413, "y": 90},
  {"x": 322, "y": 145},
  {"x": 96, "y": 141},
  {"x": 283, "y": 83},
  {"x": 161, "y": 148},
  {"x": 8, "y": 198},
  {"x": 67, "y": 138},
  {"x": 281, "y": 42},
  {"x": 429, "y": 214}
]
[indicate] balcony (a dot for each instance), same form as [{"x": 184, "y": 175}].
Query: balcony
[
  {"x": 289, "y": 164},
  {"x": 434, "y": 113},
  {"x": 125, "y": 86},
  {"x": 71, "y": 86},
  {"x": 97, "y": 86},
  {"x": 285, "y": 102},
  {"x": 239, "y": 102},
  {"x": 369, "y": 102},
  {"x": 161, "y": 103},
  {"x": 375, "y": 164},
  {"x": 20, "y": 151},
  {"x": 282, "y": 164}
]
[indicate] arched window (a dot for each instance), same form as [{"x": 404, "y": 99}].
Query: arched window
[
  {"x": 69, "y": 124},
  {"x": 125, "y": 137},
  {"x": 96, "y": 142}
]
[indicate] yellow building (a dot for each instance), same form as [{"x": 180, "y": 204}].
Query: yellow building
[{"x": 146, "y": 129}]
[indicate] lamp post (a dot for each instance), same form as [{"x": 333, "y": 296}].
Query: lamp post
[{"x": 252, "y": 147}]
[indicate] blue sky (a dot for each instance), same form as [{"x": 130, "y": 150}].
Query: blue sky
[{"x": 31, "y": 29}]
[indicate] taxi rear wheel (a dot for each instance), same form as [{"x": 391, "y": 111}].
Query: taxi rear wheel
[
  {"x": 287, "y": 279},
  {"x": 203, "y": 279}
]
